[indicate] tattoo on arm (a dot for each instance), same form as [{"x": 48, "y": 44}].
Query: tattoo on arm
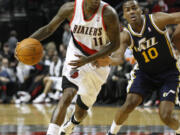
[{"x": 64, "y": 13}]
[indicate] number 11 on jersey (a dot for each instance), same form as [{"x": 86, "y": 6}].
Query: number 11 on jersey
[{"x": 98, "y": 41}]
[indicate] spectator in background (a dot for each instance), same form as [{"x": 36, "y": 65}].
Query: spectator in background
[
  {"x": 22, "y": 72},
  {"x": 66, "y": 34},
  {"x": 62, "y": 51},
  {"x": 161, "y": 6},
  {"x": 6, "y": 52},
  {"x": 12, "y": 41},
  {"x": 51, "y": 81},
  {"x": 49, "y": 52},
  {"x": 150, "y": 5},
  {"x": 33, "y": 85},
  {"x": 8, "y": 85}
]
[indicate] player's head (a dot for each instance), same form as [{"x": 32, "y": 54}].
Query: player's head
[
  {"x": 132, "y": 11},
  {"x": 93, "y": 4}
]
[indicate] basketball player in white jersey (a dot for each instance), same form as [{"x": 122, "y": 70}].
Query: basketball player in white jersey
[{"x": 95, "y": 34}]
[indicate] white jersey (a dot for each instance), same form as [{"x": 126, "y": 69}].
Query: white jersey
[{"x": 88, "y": 35}]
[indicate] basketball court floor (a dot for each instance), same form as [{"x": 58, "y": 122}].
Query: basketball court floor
[{"x": 33, "y": 119}]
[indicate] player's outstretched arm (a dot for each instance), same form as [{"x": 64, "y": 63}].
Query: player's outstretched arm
[
  {"x": 65, "y": 12},
  {"x": 176, "y": 37},
  {"x": 162, "y": 19},
  {"x": 117, "y": 57}
]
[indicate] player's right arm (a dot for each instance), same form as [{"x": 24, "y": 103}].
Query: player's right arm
[
  {"x": 65, "y": 12},
  {"x": 163, "y": 19},
  {"x": 117, "y": 58},
  {"x": 176, "y": 37}
]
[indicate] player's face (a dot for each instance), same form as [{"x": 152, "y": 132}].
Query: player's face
[
  {"x": 93, "y": 4},
  {"x": 132, "y": 12}
]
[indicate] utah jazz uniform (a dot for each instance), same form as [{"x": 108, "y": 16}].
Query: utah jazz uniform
[
  {"x": 88, "y": 37},
  {"x": 156, "y": 64}
]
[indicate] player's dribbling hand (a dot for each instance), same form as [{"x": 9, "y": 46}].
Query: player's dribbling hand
[
  {"x": 78, "y": 63},
  {"x": 102, "y": 62}
]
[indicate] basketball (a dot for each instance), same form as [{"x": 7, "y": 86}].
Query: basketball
[{"x": 29, "y": 51}]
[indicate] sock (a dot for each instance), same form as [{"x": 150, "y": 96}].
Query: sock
[
  {"x": 74, "y": 120},
  {"x": 53, "y": 129},
  {"x": 178, "y": 131},
  {"x": 115, "y": 128}
]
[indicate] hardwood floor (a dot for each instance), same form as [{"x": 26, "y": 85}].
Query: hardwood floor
[{"x": 35, "y": 118}]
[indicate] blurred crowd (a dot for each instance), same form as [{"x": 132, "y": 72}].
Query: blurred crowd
[{"x": 41, "y": 83}]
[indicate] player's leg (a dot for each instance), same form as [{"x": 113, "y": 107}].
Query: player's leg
[
  {"x": 137, "y": 90},
  {"x": 168, "y": 98},
  {"x": 167, "y": 116},
  {"x": 77, "y": 117},
  {"x": 48, "y": 83},
  {"x": 59, "y": 113},
  {"x": 122, "y": 114}
]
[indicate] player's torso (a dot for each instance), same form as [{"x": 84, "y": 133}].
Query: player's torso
[
  {"x": 88, "y": 35},
  {"x": 152, "y": 48}
]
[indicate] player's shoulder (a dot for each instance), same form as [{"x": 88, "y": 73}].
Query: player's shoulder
[
  {"x": 66, "y": 9},
  {"x": 68, "y": 6},
  {"x": 125, "y": 35},
  {"x": 109, "y": 11},
  {"x": 159, "y": 16}
]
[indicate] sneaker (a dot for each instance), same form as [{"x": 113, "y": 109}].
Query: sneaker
[
  {"x": 148, "y": 103},
  {"x": 67, "y": 128},
  {"x": 108, "y": 133},
  {"x": 40, "y": 98},
  {"x": 47, "y": 100}
]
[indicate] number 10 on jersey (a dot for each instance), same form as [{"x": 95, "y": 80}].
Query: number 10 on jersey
[{"x": 151, "y": 54}]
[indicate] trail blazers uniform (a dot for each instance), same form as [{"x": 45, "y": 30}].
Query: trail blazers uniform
[
  {"x": 156, "y": 64},
  {"x": 88, "y": 37}
]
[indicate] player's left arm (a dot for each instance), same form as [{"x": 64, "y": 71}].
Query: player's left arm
[
  {"x": 111, "y": 22},
  {"x": 162, "y": 19},
  {"x": 176, "y": 37}
]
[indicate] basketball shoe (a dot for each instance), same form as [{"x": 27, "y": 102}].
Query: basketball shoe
[
  {"x": 67, "y": 128},
  {"x": 108, "y": 133}
]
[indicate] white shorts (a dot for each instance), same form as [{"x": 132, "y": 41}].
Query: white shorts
[{"x": 89, "y": 79}]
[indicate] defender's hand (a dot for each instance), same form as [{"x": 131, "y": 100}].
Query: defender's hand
[{"x": 101, "y": 62}]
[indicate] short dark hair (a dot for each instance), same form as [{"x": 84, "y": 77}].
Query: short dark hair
[{"x": 125, "y": 1}]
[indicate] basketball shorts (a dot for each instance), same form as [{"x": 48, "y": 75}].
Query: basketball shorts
[
  {"x": 87, "y": 79},
  {"x": 166, "y": 83}
]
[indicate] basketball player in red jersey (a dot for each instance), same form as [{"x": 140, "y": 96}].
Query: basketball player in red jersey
[{"x": 95, "y": 34}]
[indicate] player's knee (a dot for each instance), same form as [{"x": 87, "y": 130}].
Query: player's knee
[
  {"x": 129, "y": 107},
  {"x": 165, "y": 115},
  {"x": 68, "y": 95},
  {"x": 131, "y": 104}
]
